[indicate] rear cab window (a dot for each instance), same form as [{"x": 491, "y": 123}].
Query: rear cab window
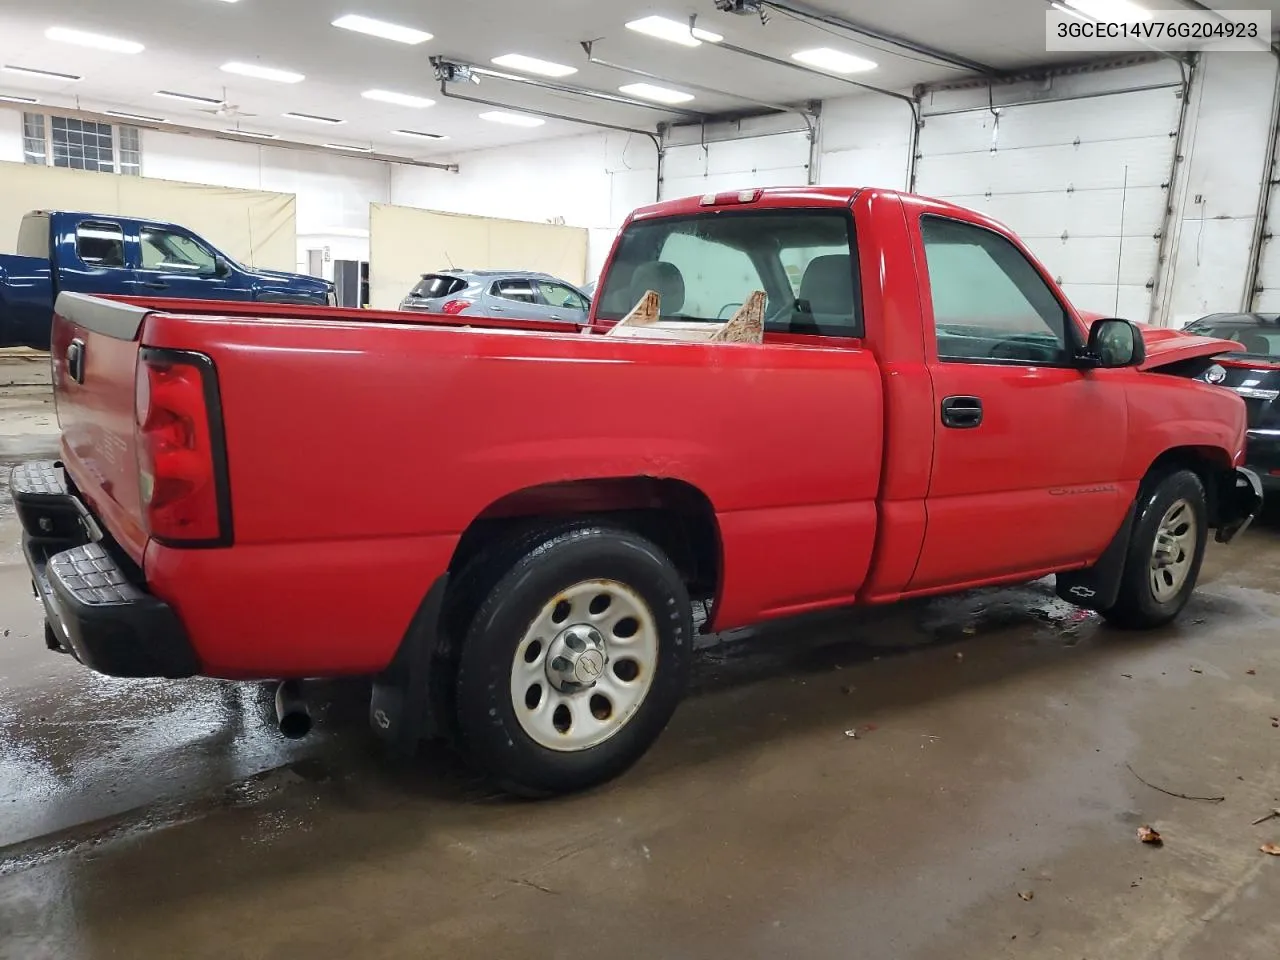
[
  {"x": 704, "y": 267},
  {"x": 100, "y": 244}
]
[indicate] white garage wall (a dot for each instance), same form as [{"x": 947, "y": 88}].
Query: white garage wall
[
  {"x": 1219, "y": 187},
  {"x": 866, "y": 141},
  {"x": 590, "y": 181},
  {"x": 1079, "y": 168},
  {"x": 334, "y": 192}
]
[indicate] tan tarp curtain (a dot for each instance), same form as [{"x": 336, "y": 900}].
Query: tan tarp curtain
[
  {"x": 405, "y": 243},
  {"x": 255, "y": 227}
]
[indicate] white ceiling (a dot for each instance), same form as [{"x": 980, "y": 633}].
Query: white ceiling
[{"x": 187, "y": 41}]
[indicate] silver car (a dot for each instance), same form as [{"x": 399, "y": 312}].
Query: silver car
[{"x": 498, "y": 293}]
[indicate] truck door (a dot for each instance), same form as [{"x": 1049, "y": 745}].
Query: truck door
[
  {"x": 1028, "y": 447},
  {"x": 175, "y": 263}
]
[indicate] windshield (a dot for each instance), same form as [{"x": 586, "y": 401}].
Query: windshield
[
  {"x": 704, "y": 267},
  {"x": 1259, "y": 339}
]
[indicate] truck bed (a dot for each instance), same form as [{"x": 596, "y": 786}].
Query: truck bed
[{"x": 360, "y": 445}]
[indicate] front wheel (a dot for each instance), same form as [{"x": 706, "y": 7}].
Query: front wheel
[
  {"x": 1165, "y": 552},
  {"x": 575, "y": 662}
]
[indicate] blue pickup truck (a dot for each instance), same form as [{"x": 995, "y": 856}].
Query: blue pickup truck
[{"x": 97, "y": 253}]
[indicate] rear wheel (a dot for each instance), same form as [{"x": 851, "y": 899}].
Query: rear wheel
[
  {"x": 1165, "y": 552},
  {"x": 574, "y": 662}
]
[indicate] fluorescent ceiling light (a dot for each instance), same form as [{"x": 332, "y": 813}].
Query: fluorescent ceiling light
[
  {"x": 134, "y": 116},
  {"x": 1110, "y": 10},
  {"x": 8, "y": 99},
  {"x": 673, "y": 31},
  {"x": 399, "y": 99},
  {"x": 251, "y": 133},
  {"x": 312, "y": 118},
  {"x": 96, "y": 40},
  {"x": 382, "y": 29},
  {"x": 262, "y": 73},
  {"x": 344, "y": 146},
  {"x": 42, "y": 74},
  {"x": 420, "y": 135},
  {"x": 187, "y": 97},
  {"x": 544, "y": 68},
  {"x": 512, "y": 119},
  {"x": 648, "y": 91},
  {"x": 824, "y": 58}
]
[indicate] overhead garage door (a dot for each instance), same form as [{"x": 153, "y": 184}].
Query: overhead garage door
[
  {"x": 777, "y": 160},
  {"x": 1083, "y": 182},
  {"x": 1266, "y": 287}
]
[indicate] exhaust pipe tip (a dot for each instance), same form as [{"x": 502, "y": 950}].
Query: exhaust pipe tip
[{"x": 292, "y": 715}]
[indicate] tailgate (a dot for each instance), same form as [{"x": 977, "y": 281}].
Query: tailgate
[{"x": 95, "y": 353}]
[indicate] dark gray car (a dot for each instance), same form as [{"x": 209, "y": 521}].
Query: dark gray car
[{"x": 498, "y": 293}]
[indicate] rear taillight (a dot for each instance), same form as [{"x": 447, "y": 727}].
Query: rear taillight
[
  {"x": 181, "y": 461},
  {"x": 455, "y": 306}
]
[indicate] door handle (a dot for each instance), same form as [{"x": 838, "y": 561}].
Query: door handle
[
  {"x": 75, "y": 360},
  {"x": 156, "y": 286},
  {"x": 962, "y": 413}
]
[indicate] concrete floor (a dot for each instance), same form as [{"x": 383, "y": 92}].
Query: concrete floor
[{"x": 986, "y": 808}]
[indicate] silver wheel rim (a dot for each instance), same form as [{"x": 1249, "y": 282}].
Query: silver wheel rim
[
  {"x": 1173, "y": 551},
  {"x": 584, "y": 666}
]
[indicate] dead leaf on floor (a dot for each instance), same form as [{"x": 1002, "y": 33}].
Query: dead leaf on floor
[
  {"x": 1196, "y": 670},
  {"x": 1027, "y": 895},
  {"x": 1251, "y": 672},
  {"x": 1147, "y": 835},
  {"x": 1271, "y": 849},
  {"x": 851, "y": 734},
  {"x": 1127, "y": 676}
]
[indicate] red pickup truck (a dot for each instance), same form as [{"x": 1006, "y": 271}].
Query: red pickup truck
[{"x": 505, "y": 525}]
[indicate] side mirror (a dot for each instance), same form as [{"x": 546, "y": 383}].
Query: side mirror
[
  {"x": 1114, "y": 343},
  {"x": 220, "y": 267}
]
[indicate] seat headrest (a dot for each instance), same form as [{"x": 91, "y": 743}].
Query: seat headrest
[
  {"x": 827, "y": 286},
  {"x": 663, "y": 277},
  {"x": 1255, "y": 343}
]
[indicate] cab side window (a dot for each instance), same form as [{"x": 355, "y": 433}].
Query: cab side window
[
  {"x": 558, "y": 295},
  {"x": 174, "y": 252},
  {"x": 989, "y": 303},
  {"x": 100, "y": 244}
]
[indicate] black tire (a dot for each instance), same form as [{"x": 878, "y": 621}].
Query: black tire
[
  {"x": 1137, "y": 606},
  {"x": 490, "y": 734}
]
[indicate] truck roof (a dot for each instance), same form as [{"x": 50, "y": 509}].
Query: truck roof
[
  {"x": 101, "y": 216},
  {"x": 774, "y": 198}
]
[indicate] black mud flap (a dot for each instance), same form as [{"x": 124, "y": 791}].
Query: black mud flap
[
  {"x": 1097, "y": 587},
  {"x": 403, "y": 707},
  {"x": 1239, "y": 503}
]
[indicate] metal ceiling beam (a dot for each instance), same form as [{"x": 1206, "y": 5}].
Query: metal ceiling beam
[
  {"x": 589, "y": 47},
  {"x": 584, "y": 92},
  {"x": 806, "y": 12},
  {"x": 442, "y": 64},
  {"x": 447, "y": 94},
  {"x": 792, "y": 65}
]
